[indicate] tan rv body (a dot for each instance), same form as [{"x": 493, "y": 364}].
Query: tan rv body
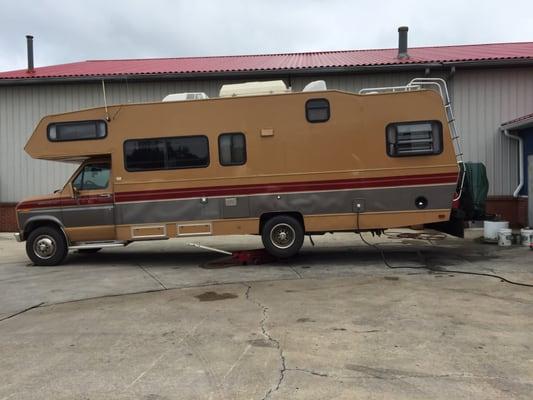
[{"x": 334, "y": 175}]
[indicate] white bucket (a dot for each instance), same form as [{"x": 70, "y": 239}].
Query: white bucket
[
  {"x": 526, "y": 237},
  {"x": 491, "y": 228},
  {"x": 505, "y": 237}
]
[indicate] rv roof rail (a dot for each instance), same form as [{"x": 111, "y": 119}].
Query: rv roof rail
[{"x": 386, "y": 89}]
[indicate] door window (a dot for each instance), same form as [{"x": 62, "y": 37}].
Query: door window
[{"x": 92, "y": 177}]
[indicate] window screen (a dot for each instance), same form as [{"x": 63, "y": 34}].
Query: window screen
[
  {"x": 317, "y": 110},
  {"x": 81, "y": 130},
  {"x": 414, "y": 138},
  {"x": 232, "y": 149},
  {"x": 166, "y": 153}
]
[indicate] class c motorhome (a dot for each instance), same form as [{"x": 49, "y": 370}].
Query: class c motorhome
[{"x": 258, "y": 160}]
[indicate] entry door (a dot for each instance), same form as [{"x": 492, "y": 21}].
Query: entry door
[{"x": 89, "y": 215}]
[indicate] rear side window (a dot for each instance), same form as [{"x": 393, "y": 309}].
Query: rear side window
[
  {"x": 79, "y": 130},
  {"x": 166, "y": 153},
  {"x": 414, "y": 138},
  {"x": 232, "y": 149},
  {"x": 317, "y": 110}
]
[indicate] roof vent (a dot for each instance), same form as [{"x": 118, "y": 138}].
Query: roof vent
[
  {"x": 29, "y": 44},
  {"x": 315, "y": 86},
  {"x": 402, "y": 42}
]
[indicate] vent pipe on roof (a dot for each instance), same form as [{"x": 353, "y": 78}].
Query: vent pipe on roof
[
  {"x": 402, "y": 42},
  {"x": 29, "y": 43}
]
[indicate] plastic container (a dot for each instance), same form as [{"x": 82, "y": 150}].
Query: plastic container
[
  {"x": 526, "y": 237},
  {"x": 505, "y": 237},
  {"x": 491, "y": 228}
]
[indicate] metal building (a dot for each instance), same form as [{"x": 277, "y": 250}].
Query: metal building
[{"x": 489, "y": 84}]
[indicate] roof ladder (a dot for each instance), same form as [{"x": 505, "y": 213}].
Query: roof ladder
[{"x": 442, "y": 88}]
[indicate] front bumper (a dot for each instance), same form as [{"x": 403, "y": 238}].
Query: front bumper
[{"x": 18, "y": 237}]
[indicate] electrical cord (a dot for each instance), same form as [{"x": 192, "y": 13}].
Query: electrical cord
[{"x": 382, "y": 254}]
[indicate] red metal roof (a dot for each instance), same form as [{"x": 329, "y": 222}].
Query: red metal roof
[
  {"x": 518, "y": 122},
  {"x": 279, "y": 62}
]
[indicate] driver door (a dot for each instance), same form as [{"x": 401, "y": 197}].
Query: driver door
[{"x": 89, "y": 214}]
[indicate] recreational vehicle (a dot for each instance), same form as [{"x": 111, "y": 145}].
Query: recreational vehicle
[{"x": 260, "y": 159}]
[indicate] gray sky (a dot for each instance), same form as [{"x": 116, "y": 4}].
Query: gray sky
[{"x": 68, "y": 31}]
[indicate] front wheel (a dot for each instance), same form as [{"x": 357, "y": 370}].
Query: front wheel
[
  {"x": 282, "y": 236},
  {"x": 46, "y": 246}
]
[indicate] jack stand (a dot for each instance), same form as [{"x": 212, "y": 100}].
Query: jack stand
[{"x": 240, "y": 257}]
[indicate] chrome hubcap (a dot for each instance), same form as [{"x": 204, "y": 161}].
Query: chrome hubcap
[
  {"x": 282, "y": 236},
  {"x": 44, "y": 247}
]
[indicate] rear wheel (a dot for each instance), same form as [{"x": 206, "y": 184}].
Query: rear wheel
[
  {"x": 282, "y": 236},
  {"x": 46, "y": 246}
]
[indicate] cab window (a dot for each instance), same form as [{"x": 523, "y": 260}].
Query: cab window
[{"x": 92, "y": 177}]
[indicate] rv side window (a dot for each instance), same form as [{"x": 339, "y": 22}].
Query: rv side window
[
  {"x": 317, "y": 110},
  {"x": 414, "y": 138},
  {"x": 166, "y": 153},
  {"x": 232, "y": 149},
  {"x": 81, "y": 130}
]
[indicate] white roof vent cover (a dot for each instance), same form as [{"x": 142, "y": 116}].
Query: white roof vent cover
[
  {"x": 185, "y": 96},
  {"x": 315, "y": 86}
]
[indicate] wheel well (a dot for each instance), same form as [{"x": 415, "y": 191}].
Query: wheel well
[
  {"x": 266, "y": 216},
  {"x": 32, "y": 225}
]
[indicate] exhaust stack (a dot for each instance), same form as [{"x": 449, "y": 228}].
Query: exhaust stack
[
  {"x": 402, "y": 42},
  {"x": 29, "y": 43}
]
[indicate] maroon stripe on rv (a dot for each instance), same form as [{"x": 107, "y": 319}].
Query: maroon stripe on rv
[{"x": 275, "y": 188}]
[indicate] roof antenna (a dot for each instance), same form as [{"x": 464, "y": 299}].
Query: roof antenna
[{"x": 105, "y": 102}]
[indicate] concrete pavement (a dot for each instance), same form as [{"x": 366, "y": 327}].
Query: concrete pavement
[{"x": 332, "y": 323}]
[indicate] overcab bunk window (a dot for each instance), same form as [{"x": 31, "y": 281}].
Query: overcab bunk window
[
  {"x": 414, "y": 138},
  {"x": 232, "y": 149},
  {"x": 317, "y": 110},
  {"x": 166, "y": 153},
  {"x": 79, "y": 130}
]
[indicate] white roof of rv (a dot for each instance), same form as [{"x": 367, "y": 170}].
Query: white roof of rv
[
  {"x": 253, "y": 88},
  {"x": 185, "y": 96}
]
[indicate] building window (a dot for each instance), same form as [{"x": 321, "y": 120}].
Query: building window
[
  {"x": 414, "y": 138},
  {"x": 232, "y": 149},
  {"x": 92, "y": 177},
  {"x": 166, "y": 153},
  {"x": 317, "y": 110},
  {"x": 80, "y": 130}
]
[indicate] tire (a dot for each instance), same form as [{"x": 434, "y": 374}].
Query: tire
[
  {"x": 89, "y": 251},
  {"x": 282, "y": 236},
  {"x": 46, "y": 246}
]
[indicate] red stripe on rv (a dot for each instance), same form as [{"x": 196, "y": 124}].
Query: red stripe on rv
[{"x": 274, "y": 188}]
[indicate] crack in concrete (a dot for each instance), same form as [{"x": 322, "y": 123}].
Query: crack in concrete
[
  {"x": 22, "y": 311},
  {"x": 310, "y": 372},
  {"x": 268, "y": 336},
  {"x": 153, "y": 276}
]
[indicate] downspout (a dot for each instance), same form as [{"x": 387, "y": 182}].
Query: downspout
[{"x": 520, "y": 160}]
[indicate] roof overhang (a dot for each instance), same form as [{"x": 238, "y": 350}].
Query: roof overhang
[{"x": 517, "y": 124}]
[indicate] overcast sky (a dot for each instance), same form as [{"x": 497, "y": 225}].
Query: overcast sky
[{"x": 70, "y": 30}]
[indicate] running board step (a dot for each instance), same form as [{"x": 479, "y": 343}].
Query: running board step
[{"x": 97, "y": 245}]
